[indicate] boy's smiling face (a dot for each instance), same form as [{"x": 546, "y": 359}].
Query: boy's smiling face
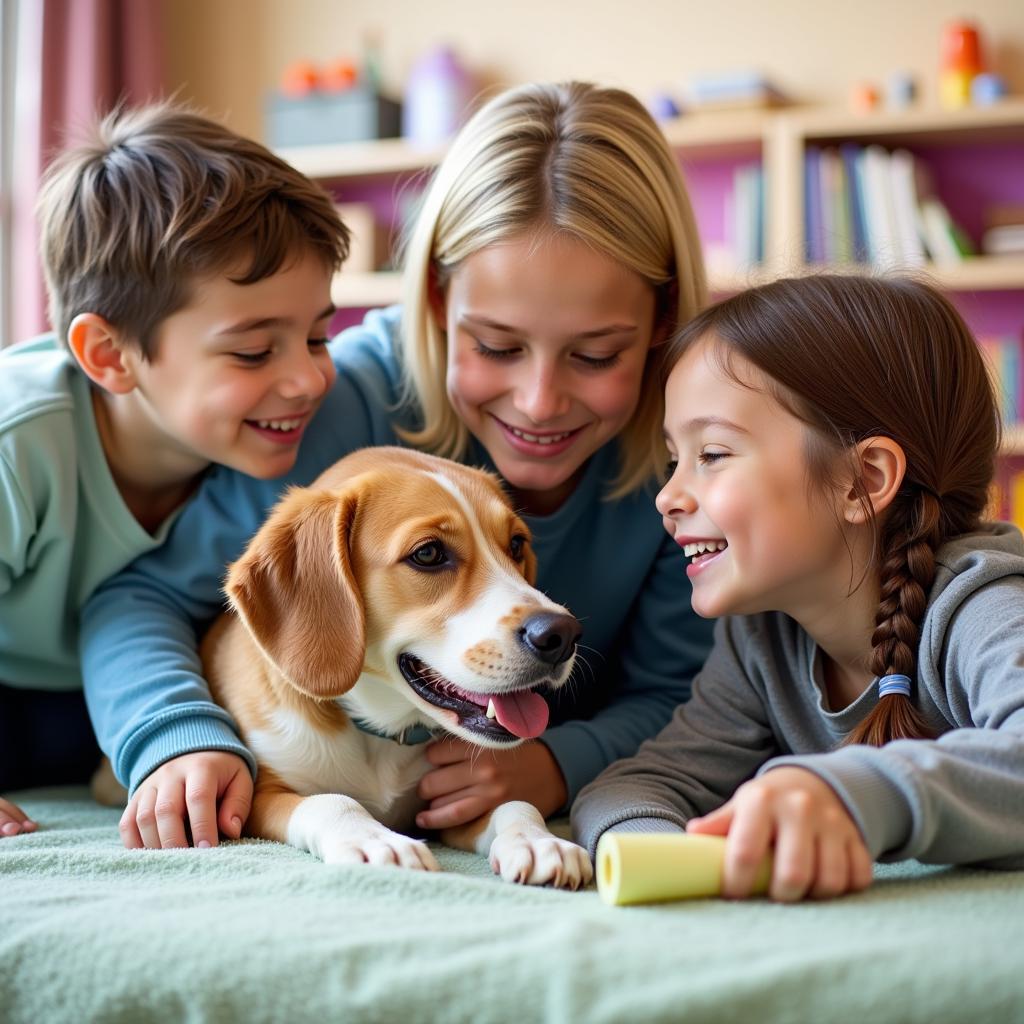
[
  {"x": 236, "y": 374},
  {"x": 740, "y": 488}
]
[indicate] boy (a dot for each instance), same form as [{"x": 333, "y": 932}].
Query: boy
[{"x": 188, "y": 271}]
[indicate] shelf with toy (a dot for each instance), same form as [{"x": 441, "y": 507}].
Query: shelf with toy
[
  {"x": 904, "y": 189},
  {"x": 343, "y": 160},
  {"x": 1002, "y": 121},
  {"x": 362, "y": 290}
]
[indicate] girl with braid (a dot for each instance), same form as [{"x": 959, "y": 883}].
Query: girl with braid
[{"x": 832, "y": 441}]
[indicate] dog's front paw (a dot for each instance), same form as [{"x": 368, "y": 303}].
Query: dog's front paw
[
  {"x": 381, "y": 847},
  {"x": 539, "y": 858},
  {"x": 338, "y": 830}
]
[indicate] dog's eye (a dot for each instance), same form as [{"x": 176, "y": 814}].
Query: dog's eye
[
  {"x": 516, "y": 546},
  {"x": 431, "y": 555}
]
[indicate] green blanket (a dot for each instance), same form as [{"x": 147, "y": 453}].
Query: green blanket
[{"x": 254, "y": 931}]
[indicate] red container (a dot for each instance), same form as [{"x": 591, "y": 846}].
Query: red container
[{"x": 961, "y": 47}]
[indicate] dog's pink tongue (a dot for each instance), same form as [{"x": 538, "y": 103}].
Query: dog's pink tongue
[{"x": 524, "y": 714}]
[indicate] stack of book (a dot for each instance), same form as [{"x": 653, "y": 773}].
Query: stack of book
[{"x": 865, "y": 204}]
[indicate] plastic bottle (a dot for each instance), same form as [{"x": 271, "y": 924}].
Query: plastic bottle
[{"x": 438, "y": 98}]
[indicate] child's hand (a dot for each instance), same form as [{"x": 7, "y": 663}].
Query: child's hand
[
  {"x": 819, "y": 850},
  {"x": 467, "y": 781},
  {"x": 13, "y": 820},
  {"x": 189, "y": 788}
]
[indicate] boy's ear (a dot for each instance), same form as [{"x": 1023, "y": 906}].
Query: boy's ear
[
  {"x": 880, "y": 465},
  {"x": 97, "y": 346}
]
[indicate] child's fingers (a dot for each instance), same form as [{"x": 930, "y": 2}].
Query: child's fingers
[
  {"x": 128, "y": 826},
  {"x": 832, "y": 872},
  {"x": 750, "y": 836},
  {"x": 449, "y": 751},
  {"x": 201, "y": 804},
  {"x": 145, "y": 817},
  {"x": 458, "y": 812},
  {"x": 170, "y": 816},
  {"x": 795, "y": 851},
  {"x": 13, "y": 820},
  {"x": 235, "y": 804},
  {"x": 861, "y": 866},
  {"x": 716, "y": 823}
]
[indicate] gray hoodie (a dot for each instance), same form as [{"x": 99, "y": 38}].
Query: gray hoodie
[{"x": 760, "y": 703}]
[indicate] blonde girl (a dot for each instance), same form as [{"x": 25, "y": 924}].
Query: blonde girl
[
  {"x": 554, "y": 253},
  {"x": 832, "y": 441}
]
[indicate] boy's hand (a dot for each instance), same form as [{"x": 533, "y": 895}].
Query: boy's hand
[
  {"x": 819, "y": 851},
  {"x": 467, "y": 781},
  {"x": 13, "y": 820},
  {"x": 189, "y": 789}
]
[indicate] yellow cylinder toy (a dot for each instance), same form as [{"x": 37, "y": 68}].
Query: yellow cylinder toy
[{"x": 661, "y": 866}]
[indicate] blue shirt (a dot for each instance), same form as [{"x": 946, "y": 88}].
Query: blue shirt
[
  {"x": 64, "y": 527},
  {"x": 609, "y": 562}
]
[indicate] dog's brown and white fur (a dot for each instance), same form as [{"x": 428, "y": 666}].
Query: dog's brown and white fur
[{"x": 396, "y": 591}]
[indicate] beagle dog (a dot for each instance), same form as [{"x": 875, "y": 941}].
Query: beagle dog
[{"x": 391, "y": 595}]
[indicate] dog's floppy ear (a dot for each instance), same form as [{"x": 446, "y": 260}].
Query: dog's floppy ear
[{"x": 296, "y": 593}]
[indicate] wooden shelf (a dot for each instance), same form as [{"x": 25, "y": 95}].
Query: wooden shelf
[
  {"x": 360, "y": 159},
  {"x": 975, "y": 274},
  {"x": 714, "y": 132},
  {"x": 351, "y": 290},
  {"x": 1003, "y": 120},
  {"x": 363, "y": 290}
]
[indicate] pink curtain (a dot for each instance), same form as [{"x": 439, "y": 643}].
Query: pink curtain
[{"x": 76, "y": 59}]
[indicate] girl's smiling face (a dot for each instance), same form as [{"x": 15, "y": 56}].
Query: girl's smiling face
[
  {"x": 759, "y": 534},
  {"x": 547, "y": 344}
]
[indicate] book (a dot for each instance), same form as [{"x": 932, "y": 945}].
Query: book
[
  {"x": 940, "y": 240},
  {"x": 880, "y": 214},
  {"x": 906, "y": 208},
  {"x": 748, "y": 215},
  {"x": 814, "y": 241},
  {"x": 855, "y": 200}
]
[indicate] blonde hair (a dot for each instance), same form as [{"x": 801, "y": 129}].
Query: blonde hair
[
  {"x": 157, "y": 196},
  {"x": 574, "y": 158}
]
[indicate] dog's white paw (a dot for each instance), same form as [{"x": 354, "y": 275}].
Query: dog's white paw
[
  {"x": 338, "y": 830},
  {"x": 540, "y": 859},
  {"x": 382, "y": 848}
]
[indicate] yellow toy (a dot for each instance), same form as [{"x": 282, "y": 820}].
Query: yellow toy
[{"x": 637, "y": 868}]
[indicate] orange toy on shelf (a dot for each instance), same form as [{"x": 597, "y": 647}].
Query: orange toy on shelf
[{"x": 961, "y": 61}]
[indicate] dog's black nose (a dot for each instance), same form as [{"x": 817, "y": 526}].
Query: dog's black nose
[{"x": 551, "y": 636}]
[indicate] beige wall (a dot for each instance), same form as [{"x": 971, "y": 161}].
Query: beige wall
[{"x": 227, "y": 54}]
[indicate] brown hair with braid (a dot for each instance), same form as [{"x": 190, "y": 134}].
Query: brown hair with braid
[{"x": 860, "y": 357}]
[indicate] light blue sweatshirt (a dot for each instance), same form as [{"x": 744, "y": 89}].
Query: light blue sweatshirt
[
  {"x": 610, "y": 562},
  {"x": 64, "y": 527}
]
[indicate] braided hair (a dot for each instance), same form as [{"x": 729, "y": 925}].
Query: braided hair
[{"x": 855, "y": 357}]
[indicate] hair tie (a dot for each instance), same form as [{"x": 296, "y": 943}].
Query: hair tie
[{"x": 894, "y": 684}]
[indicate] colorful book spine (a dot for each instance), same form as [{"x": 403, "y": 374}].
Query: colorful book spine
[
  {"x": 814, "y": 241},
  {"x": 855, "y": 201}
]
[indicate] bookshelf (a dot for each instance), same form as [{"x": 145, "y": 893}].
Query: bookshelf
[
  {"x": 710, "y": 147},
  {"x": 707, "y": 143}
]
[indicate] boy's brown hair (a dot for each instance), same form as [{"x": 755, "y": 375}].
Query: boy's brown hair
[
  {"x": 159, "y": 196},
  {"x": 855, "y": 357}
]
